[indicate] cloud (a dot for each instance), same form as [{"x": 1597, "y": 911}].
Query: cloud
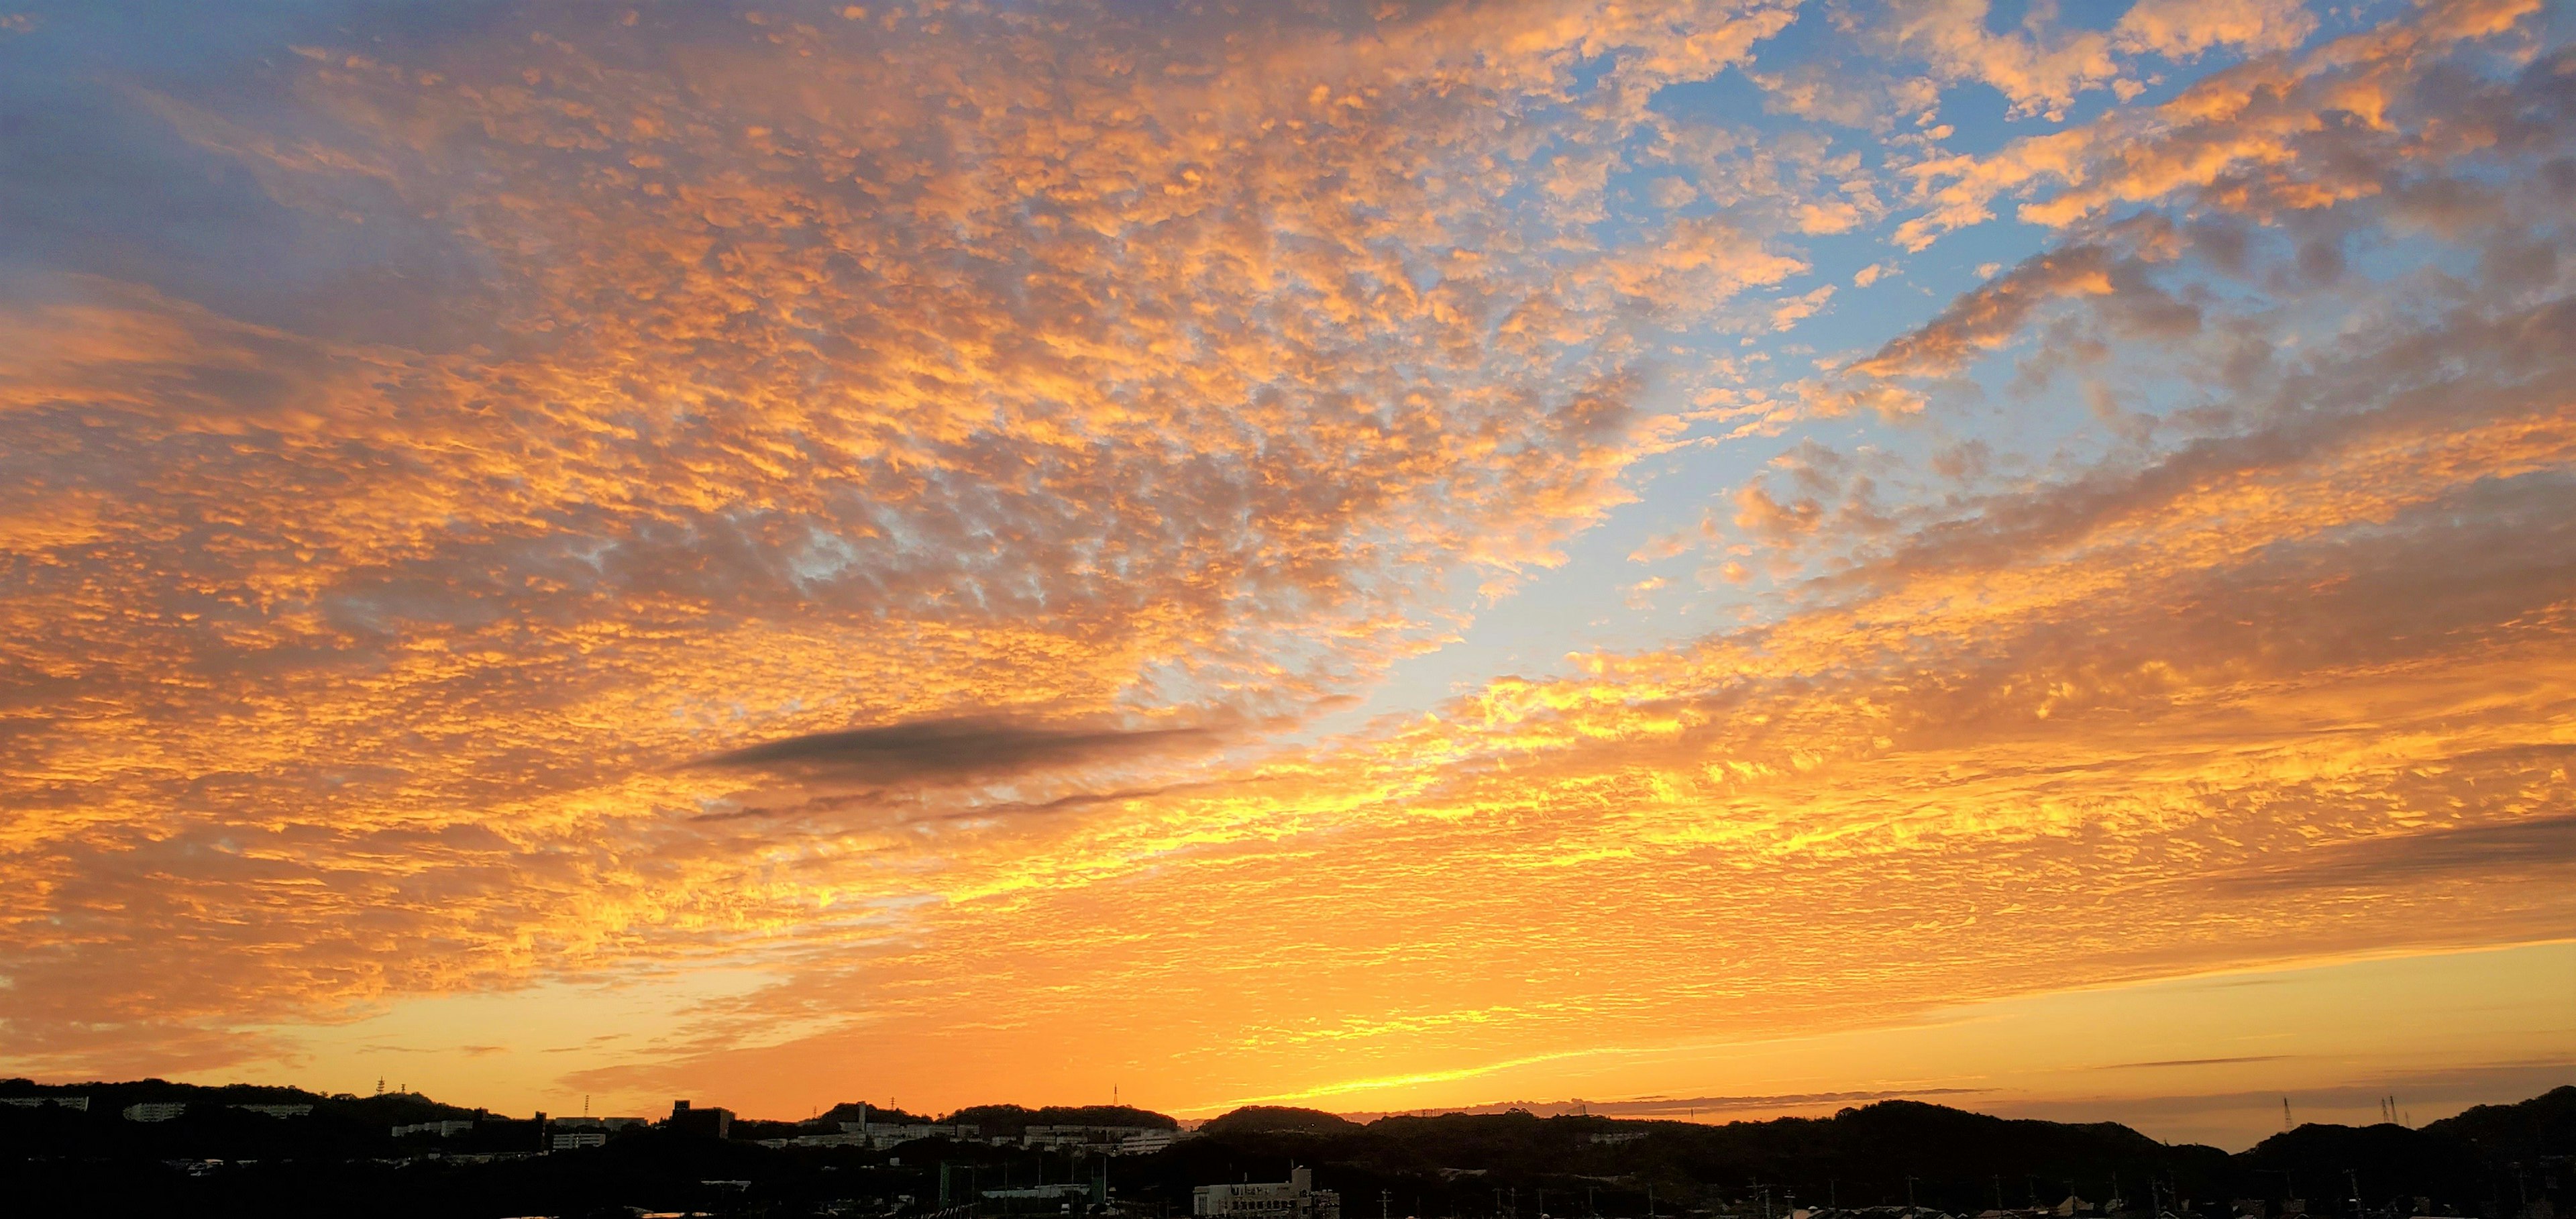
[
  {"x": 1696, "y": 265},
  {"x": 1687, "y": 1106},
  {"x": 613, "y": 394},
  {"x": 2038, "y": 68},
  {"x": 2191, "y": 1062},
  {"x": 1641, "y": 595},
  {"x": 989, "y": 378},
  {"x": 2014, "y": 717},
  {"x": 2280, "y": 133},
  {"x": 1666, "y": 1106},
  {"x": 2539, "y": 844},
  {"x": 949, "y": 750},
  {"x": 2355, "y": 1101},
  {"x": 1981, "y": 319},
  {"x": 2180, "y": 29}
]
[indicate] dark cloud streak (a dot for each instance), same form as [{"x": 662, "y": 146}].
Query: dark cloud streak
[
  {"x": 2191, "y": 1062},
  {"x": 961, "y": 749},
  {"x": 2538, "y": 844}
]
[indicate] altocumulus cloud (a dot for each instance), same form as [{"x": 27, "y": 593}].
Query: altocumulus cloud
[
  {"x": 2272, "y": 666},
  {"x": 984, "y": 376},
  {"x": 565, "y": 394}
]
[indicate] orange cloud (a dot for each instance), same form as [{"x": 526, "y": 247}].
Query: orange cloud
[
  {"x": 2039, "y": 70},
  {"x": 816, "y": 377},
  {"x": 2264, "y": 137},
  {"x": 894, "y": 480},
  {"x": 2179, "y": 29},
  {"x": 2288, "y": 692}
]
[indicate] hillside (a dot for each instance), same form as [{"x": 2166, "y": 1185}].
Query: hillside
[{"x": 341, "y": 1156}]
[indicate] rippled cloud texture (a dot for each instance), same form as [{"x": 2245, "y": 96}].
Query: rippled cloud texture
[{"x": 945, "y": 510}]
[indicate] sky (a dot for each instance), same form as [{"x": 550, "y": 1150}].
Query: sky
[{"x": 1711, "y": 559}]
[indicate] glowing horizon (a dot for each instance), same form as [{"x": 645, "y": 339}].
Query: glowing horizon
[{"x": 1384, "y": 556}]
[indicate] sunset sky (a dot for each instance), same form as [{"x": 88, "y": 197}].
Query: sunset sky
[{"x": 1720, "y": 558}]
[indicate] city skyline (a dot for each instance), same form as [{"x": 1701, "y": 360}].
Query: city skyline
[{"x": 1376, "y": 557}]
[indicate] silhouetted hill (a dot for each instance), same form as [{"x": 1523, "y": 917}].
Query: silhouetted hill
[
  {"x": 2330, "y": 1162},
  {"x": 1278, "y": 1119},
  {"x": 2525, "y": 1131},
  {"x": 2470, "y": 1156},
  {"x": 341, "y": 1157},
  {"x": 1957, "y": 1160},
  {"x": 1013, "y": 1119},
  {"x": 1890, "y": 1153},
  {"x": 216, "y": 1122},
  {"x": 851, "y": 1111},
  {"x": 389, "y": 1108}
]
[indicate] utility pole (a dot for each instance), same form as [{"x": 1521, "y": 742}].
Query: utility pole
[
  {"x": 1385, "y": 1204},
  {"x": 1909, "y": 1196}
]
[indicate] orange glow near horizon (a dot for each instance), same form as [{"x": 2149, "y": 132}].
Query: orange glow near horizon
[{"x": 1724, "y": 558}]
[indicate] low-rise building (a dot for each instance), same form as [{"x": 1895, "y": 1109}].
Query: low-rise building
[
  {"x": 881, "y": 1135},
  {"x": 570, "y": 1139},
  {"x": 1054, "y": 1197},
  {"x": 1150, "y": 1141},
  {"x": 1066, "y": 1138},
  {"x": 1294, "y": 1198},
  {"x": 818, "y": 1140},
  {"x": 446, "y": 1129},
  {"x": 38, "y": 1102},
  {"x": 155, "y": 1111},
  {"x": 715, "y": 1121},
  {"x": 280, "y": 1112}
]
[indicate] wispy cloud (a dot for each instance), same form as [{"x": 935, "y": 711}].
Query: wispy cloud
[{"x": 2191, "y": 1062}]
